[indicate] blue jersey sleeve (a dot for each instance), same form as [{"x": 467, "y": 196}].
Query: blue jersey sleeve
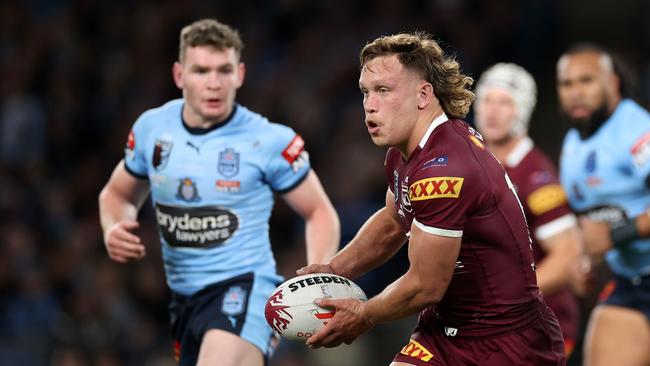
[
  {"x": 135, "y": 160},
  {"x": 635, "y": 137},
  {"x": 289, "y": 161}
]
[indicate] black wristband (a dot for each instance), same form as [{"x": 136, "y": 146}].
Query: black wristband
[{"x": 624, "y": 233}]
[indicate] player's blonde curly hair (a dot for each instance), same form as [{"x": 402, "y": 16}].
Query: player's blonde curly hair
[
  {"x": 209, "y": 32},
  {"x": 418, "y": 51}
]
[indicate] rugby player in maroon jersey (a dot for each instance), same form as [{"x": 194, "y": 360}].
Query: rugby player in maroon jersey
[{"x": 472, "y": 274}]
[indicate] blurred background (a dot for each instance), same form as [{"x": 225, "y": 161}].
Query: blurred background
[{"x": 74, "y": 75}]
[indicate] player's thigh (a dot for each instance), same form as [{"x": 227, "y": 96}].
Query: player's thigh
[
  {"x": 617, "y": 336},
  {"x": 227, "y": 349}
]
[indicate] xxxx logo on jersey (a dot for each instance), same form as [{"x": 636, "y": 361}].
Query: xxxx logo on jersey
[
  {"x": 435, "y": 187},
  {"x": 416, "y": 350}
]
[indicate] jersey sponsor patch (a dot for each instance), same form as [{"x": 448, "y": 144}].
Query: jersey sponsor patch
[
  {"x": 416, "y": 350},
  {"x": 161, "y": 151},
  {"x": 476, "y": 141},
  {"x": 234, "y": 301},
  {"x": 641, "y": 150},
  {"x": 228, "y": 165},
  {"x": 195, "y": 227},
  {"x": 435, "y": 187},
  {"x": 546, "y": 198},
  {"x": 230, "y": 186},
  {"x": 295, "y": 153},
  {"x": 129, "y": 148},
  {"x": 437, "y": 161}
]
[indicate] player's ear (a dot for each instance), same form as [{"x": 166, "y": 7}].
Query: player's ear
[
  {"x": 177, "y": 73},
  {"x": 425, "y": 94},
  {"x": 241, "y": 74}
]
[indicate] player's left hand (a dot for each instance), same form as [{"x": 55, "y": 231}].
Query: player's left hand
[
  {"x": 596, "y": 236},
  {"x": 349, "y": 322}
]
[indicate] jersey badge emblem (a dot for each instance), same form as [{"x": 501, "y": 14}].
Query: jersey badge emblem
[
  {"x": 234, "y": 301},
  {"x": 187, "y": 191},
  {"x": 228, "y": 162},
  {"x": 129, "y": 149},
  {"x": 161, "y": 151}
]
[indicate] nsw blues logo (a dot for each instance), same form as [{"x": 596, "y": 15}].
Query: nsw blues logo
[
  {"x": 228, "y": 162},
  {"x": 187, "y": 191},
  {"x": 234, "y": 301},
  {"x": 161, "y": 151}
]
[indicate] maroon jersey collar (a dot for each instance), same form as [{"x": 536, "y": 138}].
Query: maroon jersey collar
[
  {"x": 519, "y": 152},
  {"x": 435, "y": 123}
]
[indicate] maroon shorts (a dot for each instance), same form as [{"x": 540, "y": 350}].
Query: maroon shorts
[{"x": 539, "y": 343}]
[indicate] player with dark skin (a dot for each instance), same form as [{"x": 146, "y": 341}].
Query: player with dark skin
[{"x": 589, "y": 92}]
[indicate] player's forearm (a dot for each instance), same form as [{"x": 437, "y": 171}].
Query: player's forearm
[
  {"x": 402, "y": 298},
  {"x": 551, "y": 278},
  {"x": 554, "y": 271},
  {"x": 377, "y": 240},
  {"x": 322, "y": 235},
  {"x": 114, "y": 208}
]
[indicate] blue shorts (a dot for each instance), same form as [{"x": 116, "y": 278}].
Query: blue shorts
[
  {"x": 235, "y": 305},
  {"x": 631, "y": 293}
]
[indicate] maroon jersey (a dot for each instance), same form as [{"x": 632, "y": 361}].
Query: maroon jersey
[
  {"x": 451, "y": 185},
  {"x": 548, "y": 213}
]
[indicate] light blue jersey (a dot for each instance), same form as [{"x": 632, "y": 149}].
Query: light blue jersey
[
  {"x": 610, "y": 169},
  {"x": 212, "y": 191}
]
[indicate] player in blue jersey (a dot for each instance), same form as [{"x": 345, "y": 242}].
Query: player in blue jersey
[
  {"x": 605, "y": 169},
  {"x": 212, "y": 166}
]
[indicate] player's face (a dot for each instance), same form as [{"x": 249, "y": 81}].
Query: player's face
[
  {"x": 495, "y": 114},
  {"x": 209, "y": 78},
  {"x": 584, "y": 85},
  {"x": 389, "y": 100}
]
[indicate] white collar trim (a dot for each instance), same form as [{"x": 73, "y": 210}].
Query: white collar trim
[
  {"x": 435, "y": 123},
  {"x": 520, "y": 151}
]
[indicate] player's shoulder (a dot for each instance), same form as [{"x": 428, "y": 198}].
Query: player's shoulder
[
  {"x": 537, "y": 160},
  {"x": 449, "y": 152},
  {"x": 628, "y": 121},
  {"x": 453, "y": 142},
  {"x": 260, "y": 125},
  {"x": 168, "y": 111},
  {"x": 632, "y": 112}
]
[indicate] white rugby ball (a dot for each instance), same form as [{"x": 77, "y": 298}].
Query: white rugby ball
[{"x": 291, "y": 311}]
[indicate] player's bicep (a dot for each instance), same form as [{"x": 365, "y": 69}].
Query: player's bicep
[
  {"x": 390, "y": 206},
  {"x": 124, "y": 186},
  {"x": 308, "y": 196},
  {"x": 432, "y": 259}
]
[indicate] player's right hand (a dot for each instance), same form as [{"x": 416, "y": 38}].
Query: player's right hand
[
  {"x": 581, "y": 276},
  {"x": 122, "y": 244},
  {"x": 316, "y": 268}
]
